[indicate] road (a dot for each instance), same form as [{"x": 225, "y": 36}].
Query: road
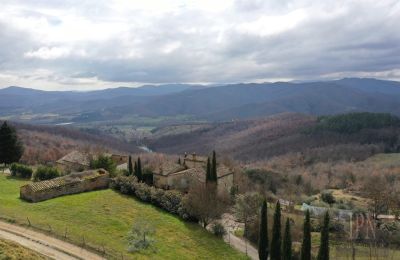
[
  {"x": 240, "y": 245},
  {"x": 43, "y": 244}
]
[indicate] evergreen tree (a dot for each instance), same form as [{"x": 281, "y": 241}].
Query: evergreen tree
[
  {"x": 179, "y": 161},
  {"x": 306, "y": 245},
  {"x": 130, "y": 166},
  {"x": 323, "y": 253},
  {"x": 287, "y": 242},
  {"x": 10, "y": 147},
  {"x": 276, "y": 234},
  {"x": 135, "y": 170},
  {"x": 139, "y": 173},
  {"x": 208, "y": 171},
  {"x": 263, "y": 237},
  {"x": 214, "y": 175}
]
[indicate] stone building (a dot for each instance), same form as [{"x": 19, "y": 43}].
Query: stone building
[
  {"x": 171, "y": 175},
  {"x": 74, "y": 161},
  {"x": 76, "y": 182}
]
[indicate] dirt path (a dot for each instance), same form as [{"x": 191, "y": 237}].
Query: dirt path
[
  {"x": 45, "y": 245},
  {"x": 241, "y": 245},
  {"x": 230, "y": 224}
]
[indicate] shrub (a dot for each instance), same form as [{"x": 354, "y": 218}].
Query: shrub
[
  {"x": 45, "y": 173},
  {"x": 104, "y": 162},
  {"x": 170, "y": 201},
  {"x": 328, "y": 197},
  {"x": 21, "y": 170},
  {"x": 219, "y": 230}
]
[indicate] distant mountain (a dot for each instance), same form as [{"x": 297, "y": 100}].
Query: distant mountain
[{"x": 217, "y": 103}]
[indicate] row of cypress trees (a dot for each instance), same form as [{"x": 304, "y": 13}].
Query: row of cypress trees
[
  {"x": 135, "y": 169},
  {"x": 277, "y": 251}
]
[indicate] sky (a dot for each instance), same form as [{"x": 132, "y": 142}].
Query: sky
[{"x": 96, "y": 44}]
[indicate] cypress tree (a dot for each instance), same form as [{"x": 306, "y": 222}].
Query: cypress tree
[
  {"x": 323, "y": 253},
  {"x": 130, "y": 166},
  {"x": 276, "y": 234},
  {"x": 179, "y": 161},
  {"x": 263, "y": 237},
  {"x": 208, "y": 171},
  {"x": 214, "y": 175},
  {"x": 10, "y": 147},
  {"x": 287, "y": 242},
  {"x": 306, "y": 245}
]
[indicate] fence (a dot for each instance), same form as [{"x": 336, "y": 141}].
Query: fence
[{"x": 80, "y": 241}]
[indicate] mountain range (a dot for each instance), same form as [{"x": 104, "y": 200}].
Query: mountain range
[{"x": 215, "y": 103}]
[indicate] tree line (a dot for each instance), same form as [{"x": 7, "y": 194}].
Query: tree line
[{"x": 280, "y": 247}]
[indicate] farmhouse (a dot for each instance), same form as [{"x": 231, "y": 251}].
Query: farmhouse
[
  {"x": 74, "y": 161},
  {"x": 171, "y": 175},
  {"x": 76, "y": 182}
]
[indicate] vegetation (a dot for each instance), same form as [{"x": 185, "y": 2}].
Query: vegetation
[
  {"x": 276, "y": 234},
  {"x": 263, "y": 249},
  {"x": 354, "y": 122},
  {"x": 287, "y": 242},
  {"x": 203, "y": 203},
  {"x": 13, "y": 251},
  {"x": 104, "y": 162},
  {"x": 141, "y": 236},
  {"x": 323, "y": 253},
  {"x": 105, "y": 218},
  {"x": 306, "y": 245},
  {"x": 11, "y": 148},
  {"x": 219, "y": 230},
  {"x": 247, "y": 208},
  {"x": 45, "y": 173},
  {"x": 21, "y": 170}
]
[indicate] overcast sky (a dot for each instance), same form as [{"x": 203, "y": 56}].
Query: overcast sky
[{"x": 80, "y": 45}]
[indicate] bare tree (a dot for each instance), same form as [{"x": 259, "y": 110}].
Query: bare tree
[
  {"x": 247, "y": 207},
  {"x": 203, "y": 202}
]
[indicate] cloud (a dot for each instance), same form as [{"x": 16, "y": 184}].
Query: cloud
[{"x": 95, "y": 44}]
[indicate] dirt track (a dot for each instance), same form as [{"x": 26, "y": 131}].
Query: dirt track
[{"x": 43, "y": 244}]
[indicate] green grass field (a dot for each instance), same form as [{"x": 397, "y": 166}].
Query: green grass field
[
  {"x": 12, "y": 251},
  {"x": 105, "y": 217}
]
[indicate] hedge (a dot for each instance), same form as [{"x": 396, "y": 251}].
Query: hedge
[{"x": 168, "y": 200}]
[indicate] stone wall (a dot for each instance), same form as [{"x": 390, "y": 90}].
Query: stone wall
[{"x": 29, "y": 193}]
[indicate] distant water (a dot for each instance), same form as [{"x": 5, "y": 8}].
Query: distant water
[
  {"x": 145, "y": 148},
  {"x": 67, "y": 123}
]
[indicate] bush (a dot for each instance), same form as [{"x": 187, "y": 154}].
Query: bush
[
  {"x": 219, "y": 230},
  {"x": 170, "y": 201},
  {"x": 328, "y": 197},
  {"x": 104, "y": 162},
  {"x": 45, "y": 173},
  {"x": 21, "y": 170}
]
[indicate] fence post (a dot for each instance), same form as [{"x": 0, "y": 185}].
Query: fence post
[
  {"x": 65, "y": 233},
  {"x": 29, "y": 222},
  {"x": 83, "y": 244},
  {"x": 50, "y": 229}
]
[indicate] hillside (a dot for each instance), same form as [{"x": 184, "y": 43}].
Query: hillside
[
  {"x": 105, "y": 218},
  {"x": 216, "y": 103},
  {"x": 254, "y": 140},
  {"x": 45, "y": 144}
]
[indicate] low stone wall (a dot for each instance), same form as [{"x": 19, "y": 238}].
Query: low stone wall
[{"x": 45, "y": 190}]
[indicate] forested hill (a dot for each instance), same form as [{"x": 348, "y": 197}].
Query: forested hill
[
  {"x": 353, "y": 136},
  {"x": 216, "y": 103}
]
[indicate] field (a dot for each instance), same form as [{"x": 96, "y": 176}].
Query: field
[
  {"x": 12, "y": 251},
  {"x": 105, "y": 217}
]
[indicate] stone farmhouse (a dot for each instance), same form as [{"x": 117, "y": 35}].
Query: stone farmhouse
[
  {"x": 74, "y": 161},
  {"x": 171, "y": 175},
  {"x": 72, "y": 183}
]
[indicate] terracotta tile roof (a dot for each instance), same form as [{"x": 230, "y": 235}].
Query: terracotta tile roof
[
  {"x": 167, "y": 168},
  {"x": 65, "y": 180}
]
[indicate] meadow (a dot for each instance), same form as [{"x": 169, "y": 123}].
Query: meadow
[{"x": 103, "y": 219}]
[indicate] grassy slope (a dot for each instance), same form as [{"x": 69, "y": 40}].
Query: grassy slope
[
  {"x": 105, "y": 217},
  {"x": 12, "y": 251}
]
